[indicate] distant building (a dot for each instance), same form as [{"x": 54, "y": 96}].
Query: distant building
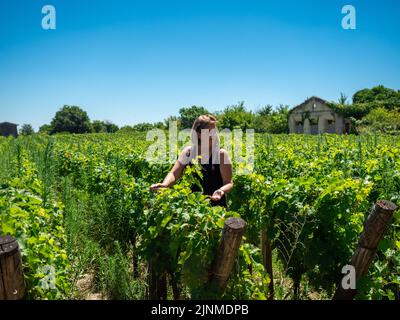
[
  {"x": 314, "y": 116},
  {"x": 8, "y": 129}
]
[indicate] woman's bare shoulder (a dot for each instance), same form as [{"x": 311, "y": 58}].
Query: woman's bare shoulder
[
  {"x": 224, "y": 156},
  {"x": 187, "y": 151},
  {"x": 185, "y": 156}
]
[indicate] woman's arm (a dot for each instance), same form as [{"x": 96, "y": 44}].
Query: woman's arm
[
  {"x": 226, "y": 173},
  {"x": 172, "y": 176}
]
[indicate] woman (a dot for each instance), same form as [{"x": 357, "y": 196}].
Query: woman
[{"x": 215, "y": 162}]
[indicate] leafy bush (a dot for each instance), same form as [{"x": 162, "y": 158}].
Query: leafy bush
[
  {"x": 41, "y": 236},
  {"x": 380, "y": 120}
]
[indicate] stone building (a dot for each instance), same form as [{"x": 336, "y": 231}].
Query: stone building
[
  {"x": 8, "y": 129},
  {"x": 314, "y": 116}
]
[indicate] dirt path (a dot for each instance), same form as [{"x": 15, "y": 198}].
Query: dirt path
[{"x": 86, "y": 290}]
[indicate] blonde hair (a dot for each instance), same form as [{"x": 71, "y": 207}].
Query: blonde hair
[{"x": 203, "y": 122}]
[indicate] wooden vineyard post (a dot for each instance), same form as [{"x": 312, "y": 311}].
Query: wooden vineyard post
[
  {"x": 266, "y": 251},
  {"x": 227, "y": 252},
  {"x": 135, "y": 258},
  {"x": 374, "y": 228},
  {"x": 157, "y": 284},
  {"x": 176, "y": 288},
  {"x": 12, "y": 286}
]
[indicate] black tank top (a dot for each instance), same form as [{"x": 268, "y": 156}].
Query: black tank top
[{"x": 211, "y": 181}]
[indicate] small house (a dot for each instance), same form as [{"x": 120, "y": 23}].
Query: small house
[
  {"x": 8, "y": 129},
  {"x": 314, "y": 116}
]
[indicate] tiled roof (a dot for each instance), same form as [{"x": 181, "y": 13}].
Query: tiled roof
[{"x": 308, "y": 100}]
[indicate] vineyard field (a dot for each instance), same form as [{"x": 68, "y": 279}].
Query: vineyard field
[{"x": 80, "y": 207}]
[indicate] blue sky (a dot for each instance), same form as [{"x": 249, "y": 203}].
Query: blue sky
[{"x": 135, "y": 61}]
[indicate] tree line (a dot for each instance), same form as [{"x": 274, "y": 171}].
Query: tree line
[
  {"x": 374, "y": 110},
  {"x": 73, "y": 119}
]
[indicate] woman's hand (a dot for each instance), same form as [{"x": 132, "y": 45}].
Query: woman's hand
[
  {"x": 157, "y": 186},
  {"x": 171, "y": 178},
  {"x": 217, "y": 195}
]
